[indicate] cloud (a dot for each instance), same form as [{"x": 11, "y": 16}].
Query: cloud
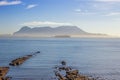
[
  {"x": 31, "y": 6},
  {"x": 6, "y": 3},
  {"x": 113, "y": 14},
  {"x": 85, "y": 12},
  {"x": 108, "y": 0},
  {"x": 45, "y": 23},
  {"x": 78, "y": 10}
]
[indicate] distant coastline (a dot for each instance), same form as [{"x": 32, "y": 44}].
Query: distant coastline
[
  {"x": 57, "y": 32},
  {"x": 62, "y": 36},
  {"x": 10, "y": 36}
]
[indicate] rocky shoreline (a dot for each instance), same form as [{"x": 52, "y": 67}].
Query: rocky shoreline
[
  {"x": 62, "y": 72},
  {"x": 15, "y": 62}
]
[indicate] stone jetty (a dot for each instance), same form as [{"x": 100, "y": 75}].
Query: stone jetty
[
  {"x": 3, "y": 72},
  {"x": 66, "y": 73},
  {"x": 21, "y": 60}
]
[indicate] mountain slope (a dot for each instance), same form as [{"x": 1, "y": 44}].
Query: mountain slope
[
  {"x": 61, "y": 30},
  {"x": 49, "y": 31}
]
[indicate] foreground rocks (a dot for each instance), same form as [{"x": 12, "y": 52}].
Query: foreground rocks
[
  {"x": 15, "y": 62},
  {"x": 66, "y": 73},
  {"x": 3, "y": 72},
  {"x": 21, "y": 60}
]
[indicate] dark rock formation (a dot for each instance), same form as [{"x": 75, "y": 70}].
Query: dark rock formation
[
  {"x": 20, "y": 60},
  {"x": 66, "y": 73},
  {"x": 63, "y": 62},
  {"x": 3, "y": 72}
]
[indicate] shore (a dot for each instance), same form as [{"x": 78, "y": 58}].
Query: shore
[
  {"x": 64, "y": 72},
  {"x": 61, "y": 72}
]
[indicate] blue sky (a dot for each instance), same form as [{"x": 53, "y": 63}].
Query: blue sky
[{"x": 96, "y": 16}]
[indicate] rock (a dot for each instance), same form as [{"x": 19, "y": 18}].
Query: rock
[
  {"x": 21, "y": 60},
  {"x": 3, "y": 72},
  {"x": 72, "y": 72},
  {"x": 63, "y": 62},
  {"x": 66, "y": 73},
  {"x": 38, "y": 52},
  {"x": 60, "y": 77}
]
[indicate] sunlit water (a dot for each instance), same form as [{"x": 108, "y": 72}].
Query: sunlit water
[{"x": 92, "y": 57}]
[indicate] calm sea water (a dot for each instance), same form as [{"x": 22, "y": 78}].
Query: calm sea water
[{"x": 92, "y": 57}]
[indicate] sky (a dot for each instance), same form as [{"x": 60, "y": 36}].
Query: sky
[{"x": 95, "y": 16}]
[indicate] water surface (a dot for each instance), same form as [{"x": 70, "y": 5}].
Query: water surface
[{"x": 96, "y": 57}]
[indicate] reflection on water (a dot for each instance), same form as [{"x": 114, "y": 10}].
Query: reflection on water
[{"x": 96, "y": 57}]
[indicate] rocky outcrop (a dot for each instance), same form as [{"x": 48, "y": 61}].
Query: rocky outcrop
[
  {"x": 21, "y": 60},
  {"x": 66, "y": 73},
  {"x": 15, "y": 62},
  {"x": 3, "y": 72}
]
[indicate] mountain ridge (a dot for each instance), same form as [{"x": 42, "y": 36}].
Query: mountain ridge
[{"x": 50, "y": 31}]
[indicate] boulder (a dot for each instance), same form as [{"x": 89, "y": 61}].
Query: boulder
[{"x": 3, "y": 72}]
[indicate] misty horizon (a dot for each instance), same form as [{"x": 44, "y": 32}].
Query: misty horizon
[{"x": 48, "y": 31}]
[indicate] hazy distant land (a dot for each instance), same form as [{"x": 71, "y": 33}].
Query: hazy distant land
[{"x": 60, "y": 31}]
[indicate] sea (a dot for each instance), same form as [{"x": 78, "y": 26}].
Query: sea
[{"x": 94, "y": 57}]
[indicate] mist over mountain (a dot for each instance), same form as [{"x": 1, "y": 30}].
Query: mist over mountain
[{"x": 50, "y": 32}]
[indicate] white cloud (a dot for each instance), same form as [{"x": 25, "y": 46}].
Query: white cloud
[
  {"x": 108, "y": 0},
  {"x": 78, "y": 10},
  {"x": 85, "y": 12},
  {"x": 31, "y": 6},
  {"x": 45, "y": 23},
  {"x": 113, "y": 14},
  {"x": 6, "y": 3}
]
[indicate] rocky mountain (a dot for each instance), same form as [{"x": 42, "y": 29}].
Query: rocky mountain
[{"x": 50, "y": 32}]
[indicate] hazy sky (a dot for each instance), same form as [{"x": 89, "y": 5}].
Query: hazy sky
[{"x": 96, "y": 16}]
